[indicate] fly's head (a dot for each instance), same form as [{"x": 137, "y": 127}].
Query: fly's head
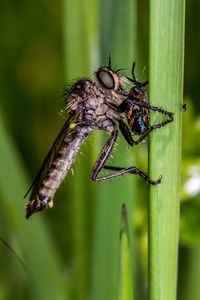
[
  {"x": 111, "y": 79},
  {"x": 113, "y": 82}
]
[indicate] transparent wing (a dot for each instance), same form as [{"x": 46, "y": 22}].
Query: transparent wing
[{"x": 66, "y": 129}]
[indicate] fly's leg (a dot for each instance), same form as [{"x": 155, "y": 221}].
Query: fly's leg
[
  {"x": 127, "y": 134},
  {"x": 125, "y": 130},
  {"x": 143, "y": 135},
  {"x": 131, "y": 170},
  {"x": 160, "y": 110},
  {"x": 164, "y": 112},
  {"x": 156, "y": 126},
  {"x": 105, "y": 152},
  {"x": 148, "y": 130},
  {"x": 118, "y": 171}
]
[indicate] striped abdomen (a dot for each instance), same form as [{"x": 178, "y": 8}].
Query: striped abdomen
[{"x": 59, "y": 167}]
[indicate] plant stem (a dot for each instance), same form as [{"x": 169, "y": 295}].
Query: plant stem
[
  {"x": 82, "y": 57},
  {"x": 117, "y": 41},
  {"x": 166, "y": 91}
]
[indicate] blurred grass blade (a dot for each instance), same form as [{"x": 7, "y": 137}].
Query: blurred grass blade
[
  {"x": 166, "y": 91},
  {"x": 81, "y": 47},
  {"x": 81, "y": 55},
  {"x": 32, "y": 235},
  {"x": 125, "y": 268},
  {"x": 123, "y": 38},
  {"x": 191, "y": 271},
  {"x": 117, "y": 41}
]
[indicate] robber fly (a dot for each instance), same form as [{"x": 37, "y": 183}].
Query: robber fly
[
  {"x": 91, "y": 105},
  {"x": 88, "y": 107}
]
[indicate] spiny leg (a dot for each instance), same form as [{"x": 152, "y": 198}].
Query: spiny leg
[
  {"x": 119, "y": 171},
  {"x": 162, "y": 124},
  {"x": 164, "y": 112},
  {"x": 149, "y": 129},
  {"x": 158, "y": 109},
  {"x": 105, "y": 152},
  {"x": 131, "y": 170},
  {"x": 125, "y": 130},
  {"x": 127, "y": 134},
  {"x": 143, "y": 135},
  {"x": 156, "y": 126}
]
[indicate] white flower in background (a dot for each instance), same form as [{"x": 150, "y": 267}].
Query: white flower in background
[{"x": 192, "y": 185}]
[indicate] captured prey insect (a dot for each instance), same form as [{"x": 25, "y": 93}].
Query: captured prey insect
[
  {"x": 137, "y": 109},
  {"x": 91, "y": 105}
]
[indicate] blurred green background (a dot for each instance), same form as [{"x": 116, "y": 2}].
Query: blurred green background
[{"x": 72, "y": 251}]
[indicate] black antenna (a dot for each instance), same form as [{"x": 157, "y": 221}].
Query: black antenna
[
  {"x": 134, "y": 79},
  {"x": 133, "y": 69},
  {"x": 118, "y": 70},
  {"x": 133, "y": 75},
  {"x": 145, "y": 83},
  {"x": 109, "y": 62}
]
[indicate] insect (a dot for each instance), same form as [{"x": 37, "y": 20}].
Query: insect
[
  {"x": 92, "y": 105},
  {"x": 137, "y": 110},
  {"x": 88, "y": 107}
]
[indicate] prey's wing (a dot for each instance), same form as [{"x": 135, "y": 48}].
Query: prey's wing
[{"x": 66, "y": 129}]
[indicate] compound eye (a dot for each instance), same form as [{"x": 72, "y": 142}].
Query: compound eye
[{"x": 106, "y": 79}]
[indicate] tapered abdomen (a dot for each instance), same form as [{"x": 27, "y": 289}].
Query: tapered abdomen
[{"x": 59, "y": 167}]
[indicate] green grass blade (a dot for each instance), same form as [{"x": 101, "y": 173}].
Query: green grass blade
[
  {"x": 124, "y": 37},
  {"x": 81, "y": 60},
  {"x": 81, "y": 46},
  {"x": 166, "y": 90},
  {"x": 125, "y": 270},
  {"x": 117, "y": 41},
  {"x": 44, "y": 274},
  {"x": 191, "y": 271}
]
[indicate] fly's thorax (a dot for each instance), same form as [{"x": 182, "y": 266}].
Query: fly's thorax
[
  {"x": 100, "y": 111},
  {"x": 85, "y": 98},
  {"x": 93, "y": 104},
  {"x": 110, "y": 96},
  {"x": 78, "y": 95}
]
